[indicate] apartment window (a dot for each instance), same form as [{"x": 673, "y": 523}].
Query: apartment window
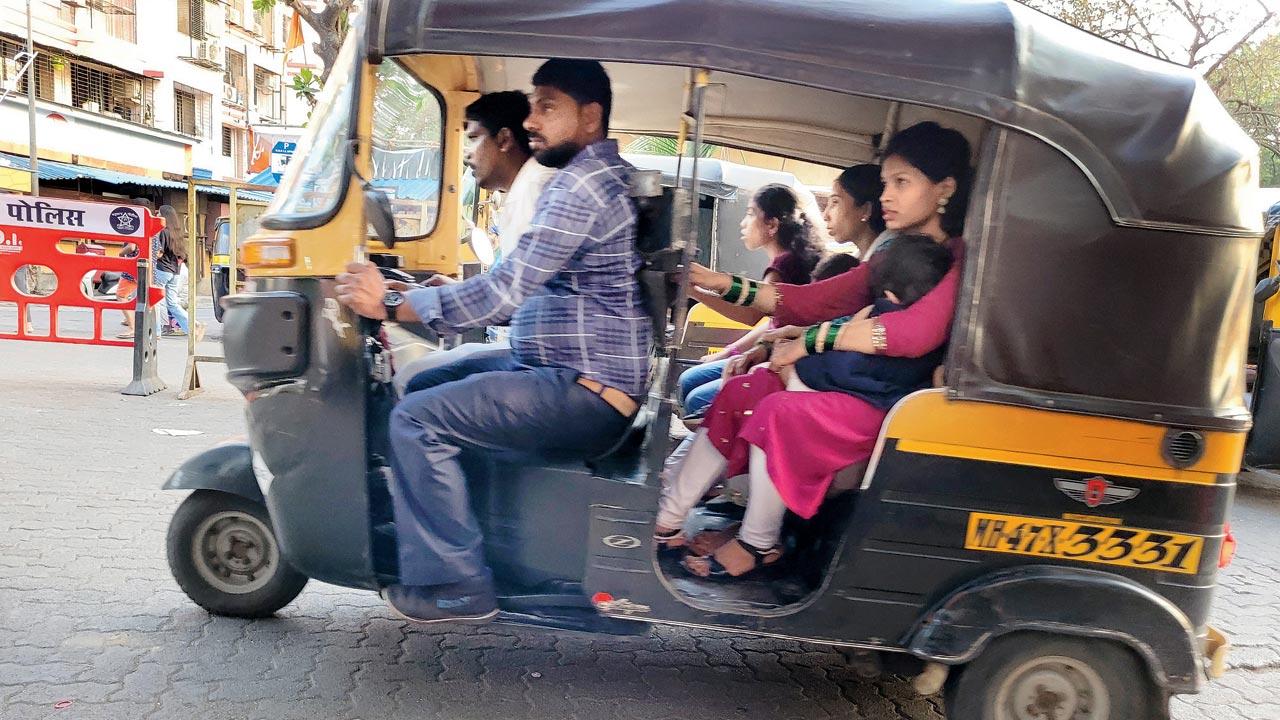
[
  {"x": 263, "y": 28},
  {"x": 108, "y": 91},
  {"x": 191, "y": 18},
  {"x": 42, "y": 69},
  {"x": 67, "y": 12},
  {"x": 191, "y": 111},
  {"x": 118, "y": 17},
  {"x": 235, "y": 11},
  {"x": 236, "y": 77},
  {"x": 266, "y": 93},
  {"x": 228, "y": 141}
]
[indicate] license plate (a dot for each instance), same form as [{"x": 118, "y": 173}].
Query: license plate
[{"x": 1083, "y": 542}]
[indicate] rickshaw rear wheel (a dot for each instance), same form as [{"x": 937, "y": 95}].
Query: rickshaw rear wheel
[
  {"x": 1031, "y": 676},
  {"x": 224, "y": 555}
]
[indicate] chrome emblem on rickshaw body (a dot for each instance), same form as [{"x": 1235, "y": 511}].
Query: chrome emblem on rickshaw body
[{"x": 1095, "y": 491}]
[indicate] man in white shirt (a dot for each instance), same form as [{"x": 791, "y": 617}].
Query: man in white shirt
[{"x": 498, "y": 154}]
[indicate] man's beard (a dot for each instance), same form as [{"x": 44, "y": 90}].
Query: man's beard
[{"x": 557, "y": 156}]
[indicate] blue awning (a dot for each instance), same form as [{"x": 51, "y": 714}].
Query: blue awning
[{"x": 53, "y": 170}]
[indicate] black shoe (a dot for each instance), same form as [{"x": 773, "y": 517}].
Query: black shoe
[{"x": 469, "y": 601}]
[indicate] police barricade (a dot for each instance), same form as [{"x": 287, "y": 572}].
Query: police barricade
[{"x": 43, "y": 243}]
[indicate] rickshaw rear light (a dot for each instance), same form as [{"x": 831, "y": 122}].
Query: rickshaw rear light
[
  {"x": 267, "y": 253},
  {"x": 1228, "y": 551},
  {"x": 601, "y": 598}
]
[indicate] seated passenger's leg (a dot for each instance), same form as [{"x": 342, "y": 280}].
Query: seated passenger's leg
[
  {"x": 474, "y": 360},
  {"x": 530, "y": 409},
  {"x": 683, "y": 488},
  {"x": 701, "y": 397},
  {"x": 406, "y": 374},
  {"x": 762, "y": 524},
  {"x": 697, "y": 376}
]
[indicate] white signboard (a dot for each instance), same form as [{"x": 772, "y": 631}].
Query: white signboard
[{"x": 126, "y": 221}]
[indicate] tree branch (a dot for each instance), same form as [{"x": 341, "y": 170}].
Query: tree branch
[{"x": 1240, "y": 43}]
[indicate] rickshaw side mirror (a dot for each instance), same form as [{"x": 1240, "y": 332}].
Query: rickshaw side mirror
[{"x": 379, "y": 215}]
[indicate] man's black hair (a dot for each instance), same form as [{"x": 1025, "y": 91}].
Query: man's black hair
[
  {"x": 909, "y": 266},
  {"x": 507, "y": 109},
  {"x": 583, "y": 80}
]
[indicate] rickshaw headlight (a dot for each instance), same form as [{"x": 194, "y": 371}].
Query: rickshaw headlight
[{"x": 268, "y": 253}]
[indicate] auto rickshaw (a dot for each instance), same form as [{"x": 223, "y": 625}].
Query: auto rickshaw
[{"x": 1040, "y": 537}]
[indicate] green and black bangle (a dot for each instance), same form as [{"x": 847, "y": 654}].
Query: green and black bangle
[
  {"x": 811, "y": 339},
  {"x": 832, "y": 333},
  {"x": 734, "y": 293}
]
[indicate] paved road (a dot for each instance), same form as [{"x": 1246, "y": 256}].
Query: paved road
[{"x": 90, "y": 616}]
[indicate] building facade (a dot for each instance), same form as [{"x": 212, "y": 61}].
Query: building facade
[{"x": 149, "y": 87}]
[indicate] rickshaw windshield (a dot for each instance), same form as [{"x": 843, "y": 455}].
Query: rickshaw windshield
[
  {"x": 314, "y": 184},
  {"x": 222, "y": 239}
]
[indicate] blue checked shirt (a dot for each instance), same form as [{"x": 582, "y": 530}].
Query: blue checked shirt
[{"x": 569, "y": 290}]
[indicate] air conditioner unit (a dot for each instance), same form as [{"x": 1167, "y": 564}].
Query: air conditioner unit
[
  {"x": 231, "y": 94},
  {"x": 209, "y": 51}
]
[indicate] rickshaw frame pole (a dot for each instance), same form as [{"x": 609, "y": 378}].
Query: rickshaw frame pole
[
  {"x": 688, "y": 238},
  {"x": 191, "y": 376}
]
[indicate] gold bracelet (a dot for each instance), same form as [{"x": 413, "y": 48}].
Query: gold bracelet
[{"x": 879, "y": 340}]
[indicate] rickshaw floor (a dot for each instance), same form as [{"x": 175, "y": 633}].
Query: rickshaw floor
[{"x": 785, "y": 583}]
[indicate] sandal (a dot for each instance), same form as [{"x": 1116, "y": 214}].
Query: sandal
[
  {"x": 125, "y": 335},
  {"x": 668, "y": 539},
  {"x": 737, "y": 554},
  {"x": 708, "y": 541}
]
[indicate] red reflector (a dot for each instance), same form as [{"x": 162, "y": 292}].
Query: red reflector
[
  {"x": 601, "y": 598},
  {"x": 1228, "y": 552}
]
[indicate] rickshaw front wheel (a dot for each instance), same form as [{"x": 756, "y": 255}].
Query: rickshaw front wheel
[
  {"x": 224, "y": 555},
  {"x": 1032, "y": 676}
]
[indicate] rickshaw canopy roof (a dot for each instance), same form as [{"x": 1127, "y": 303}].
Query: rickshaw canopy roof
[{"x": 1150, "y": 135}]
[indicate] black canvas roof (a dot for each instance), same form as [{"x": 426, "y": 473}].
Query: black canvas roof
[{"x": 1154, "y": 140}]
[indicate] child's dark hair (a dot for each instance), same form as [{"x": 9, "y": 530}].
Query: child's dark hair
[
  {"x": 583, "y": 80},
  {"x": 507, "y": 109},
  {"x": 832, "y": 265},
  {"x": 863, "y": 184},
  {"x": 909, "y": 266},
  {"x": 939, "y": 153},
  {"x": 795, "y": 231}
]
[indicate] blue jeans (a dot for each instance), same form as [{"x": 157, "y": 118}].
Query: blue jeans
[
  {"x": 483, "y": 405},
  {"x": 699, "y": 385},
  {"x": 169, "y": 281}
]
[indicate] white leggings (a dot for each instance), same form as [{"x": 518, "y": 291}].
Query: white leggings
[{"x": 697, "y": 466}]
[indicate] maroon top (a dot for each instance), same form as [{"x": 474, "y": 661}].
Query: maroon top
[
  {"x": 789, "y": 269},
  {"x": 913, "y": 332}
]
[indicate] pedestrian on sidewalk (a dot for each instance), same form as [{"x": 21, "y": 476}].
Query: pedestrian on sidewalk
[{"x": 173, "y": 251}]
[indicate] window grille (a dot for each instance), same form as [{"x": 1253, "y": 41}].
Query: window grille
[
  {"x": 191, "y": 18},
  {"x": 228, "y": 141},
  {"x": 118, "y": 17},
  {"x": 107, "y": 91},
  {"x": 42, "y": 69},
  {"x": 192, "y": 110},
  {"x": 266, "y": 93},
  {"x": 236, "y": 73}
]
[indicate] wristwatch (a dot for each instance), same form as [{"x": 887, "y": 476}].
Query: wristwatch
[{"x": 390, "y": 301}]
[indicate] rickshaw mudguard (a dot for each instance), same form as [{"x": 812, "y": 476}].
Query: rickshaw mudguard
[
  {"x": 225, "y": 468},
  {"x": 1064, "y": 601}
]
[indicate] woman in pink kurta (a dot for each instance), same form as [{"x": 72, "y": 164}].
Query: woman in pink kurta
[{"x": 793, "y": 443}]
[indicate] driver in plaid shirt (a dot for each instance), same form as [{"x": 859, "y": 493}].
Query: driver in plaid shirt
[{"x": 580, "y": 337}]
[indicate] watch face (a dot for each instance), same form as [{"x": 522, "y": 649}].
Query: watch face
[{"x": 393, "y": 298}]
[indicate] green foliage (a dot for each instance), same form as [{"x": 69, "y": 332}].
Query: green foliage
[
  {"x": 650, "y": 145},
  {"x": 263, "y": 5},
  {"x": 306, "y": 85}
]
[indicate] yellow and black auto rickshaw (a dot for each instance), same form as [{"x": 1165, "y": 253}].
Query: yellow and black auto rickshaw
[{"x": 1041, "y": 536}]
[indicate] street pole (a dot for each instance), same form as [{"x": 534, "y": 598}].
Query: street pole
[{"x": 31, "y": 108}]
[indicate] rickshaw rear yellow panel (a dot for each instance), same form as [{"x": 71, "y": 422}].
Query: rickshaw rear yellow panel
[{"x": 932, "y": 424}]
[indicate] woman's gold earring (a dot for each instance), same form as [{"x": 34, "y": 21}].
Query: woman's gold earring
[{"x": 942, "y": 206}]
